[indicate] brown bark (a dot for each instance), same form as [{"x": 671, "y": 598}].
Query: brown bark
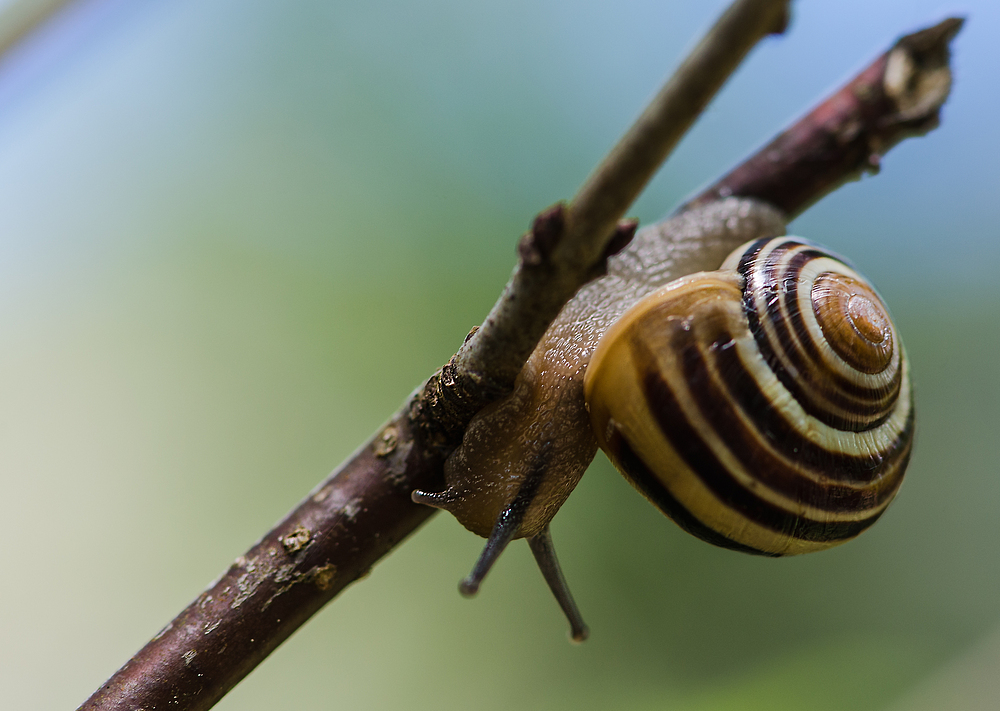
[
  {"x": 332, "y": 538},
  {"x": 847, "y": 134}
]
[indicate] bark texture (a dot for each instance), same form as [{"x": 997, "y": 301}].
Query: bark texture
[{"x": 897, "y": 96}]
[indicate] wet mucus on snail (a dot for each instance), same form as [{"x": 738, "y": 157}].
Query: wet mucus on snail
[{"x": 764, "y": 405}]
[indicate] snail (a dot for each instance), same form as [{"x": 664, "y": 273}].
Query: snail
[{"x": 764, "y": 406}]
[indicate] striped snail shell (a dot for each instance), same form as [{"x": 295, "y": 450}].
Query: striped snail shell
[{"x": 764, "y": 407}]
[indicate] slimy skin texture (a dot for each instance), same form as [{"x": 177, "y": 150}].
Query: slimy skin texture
[{"x": 538, "y": 440}]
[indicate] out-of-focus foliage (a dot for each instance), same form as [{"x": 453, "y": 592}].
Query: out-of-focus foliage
[{"x": 236, "y": 235}]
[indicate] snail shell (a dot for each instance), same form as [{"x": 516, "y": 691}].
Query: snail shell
[{"x": 765, "y": 407}]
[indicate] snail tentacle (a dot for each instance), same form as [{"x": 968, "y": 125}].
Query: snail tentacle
[{"x": 545, "y": 555}]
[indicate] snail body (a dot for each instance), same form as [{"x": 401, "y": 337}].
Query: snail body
[{"x": 758, "y": 421}]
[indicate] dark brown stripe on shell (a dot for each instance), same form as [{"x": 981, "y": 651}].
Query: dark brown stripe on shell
[
  {"x": 700, "y": 459},
  {"x": 835, "y": 388},
  {"x": 778, "y": 473},
  {"x": 790, "y": 302},
  {"x": 750, "y": 255},
  {"x": 797, "y": 344},
  {"x": 809, "y": 387},
  {"x": 745, "y": 391},
  {"x": 632, "y": 466}
]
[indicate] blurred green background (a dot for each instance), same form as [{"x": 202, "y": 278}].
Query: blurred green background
[{"x": 235, "y": 235}]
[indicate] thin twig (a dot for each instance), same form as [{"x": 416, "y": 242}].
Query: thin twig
[
  {"x": 351, "y": 519},
  {"x": 568, "y": 246},
  {"x": 21, "y": 17},
  {"x": 898, "y": 95}
]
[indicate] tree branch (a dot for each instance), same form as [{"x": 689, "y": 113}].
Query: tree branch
[
  {"x": 569, "y": 245},
  {"x": 20, "y": 18},
  {"x": 898, "y": 95},
  {"x": 362, "y": 510}
]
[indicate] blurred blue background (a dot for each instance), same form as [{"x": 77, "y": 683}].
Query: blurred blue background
[{"x": 235, "y": 235}]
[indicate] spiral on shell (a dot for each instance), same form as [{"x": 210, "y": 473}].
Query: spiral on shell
[{"x": 765, "y": 407}]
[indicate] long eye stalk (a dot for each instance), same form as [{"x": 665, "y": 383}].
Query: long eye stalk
[
  {"x": 502, "y": 534},
  {"x": 545, "y": 556}
]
